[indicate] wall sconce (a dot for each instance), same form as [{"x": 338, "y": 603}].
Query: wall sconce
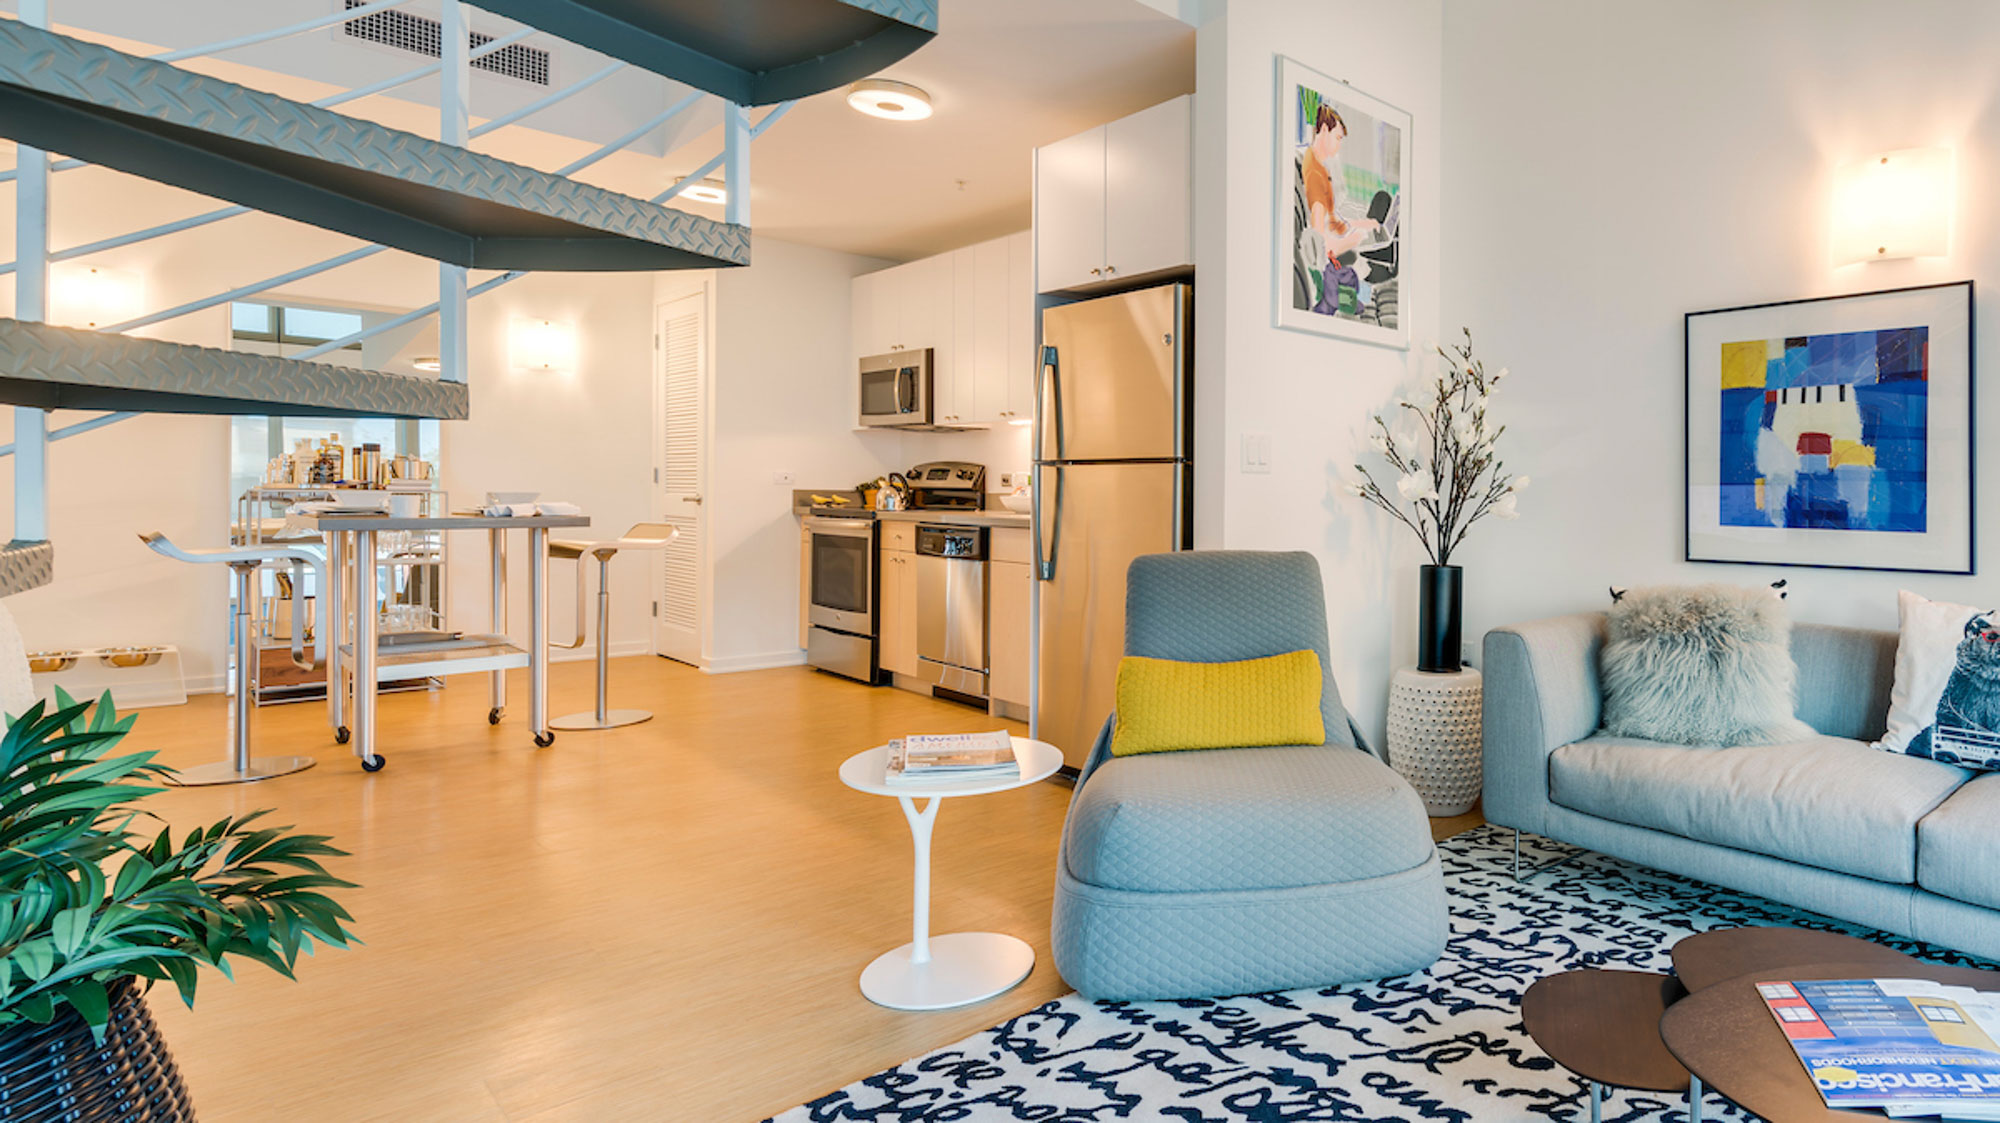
[
  {"x": 1893, "y": 204},
  {"x": 542, "y": 346},
  {"x": 87, "y": 297}
]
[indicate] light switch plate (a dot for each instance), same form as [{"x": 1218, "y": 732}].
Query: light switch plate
[{"x": 1256, "y": 453}]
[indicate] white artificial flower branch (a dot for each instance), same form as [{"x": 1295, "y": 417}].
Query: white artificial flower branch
[{"x": 1463, "y": 480}]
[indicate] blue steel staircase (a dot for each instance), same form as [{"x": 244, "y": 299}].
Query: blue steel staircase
[{"x": 391, "y": 188}]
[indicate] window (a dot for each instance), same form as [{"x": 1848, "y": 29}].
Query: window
[
  {"x": 283, "y": 331},
  {"x": 289, "y": 326}
]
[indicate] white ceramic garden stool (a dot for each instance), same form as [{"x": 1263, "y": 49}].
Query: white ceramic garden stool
[
  {"x": 939, "y": 972},
  {"x": 1434, "y": 736}
]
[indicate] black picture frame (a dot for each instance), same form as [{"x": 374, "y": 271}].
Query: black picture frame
[{"x": 1797, "y": 547}]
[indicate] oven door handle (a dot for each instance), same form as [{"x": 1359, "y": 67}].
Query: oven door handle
[
  {"x": 840, "y": 528},
  {"x": 906, "y": 390}
]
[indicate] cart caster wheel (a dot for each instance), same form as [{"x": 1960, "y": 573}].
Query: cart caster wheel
[
  {"x": 493, "y": 716},
  {"x": 342, "y": 735},
  {"x": 544, "y": 740},
  {"x": 375, "y": 765}
]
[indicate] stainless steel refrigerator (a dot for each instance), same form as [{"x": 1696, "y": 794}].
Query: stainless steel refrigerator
[{"x": 1114, "y": 479}]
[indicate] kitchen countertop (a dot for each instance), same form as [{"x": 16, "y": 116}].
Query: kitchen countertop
[{"x": 990, "y": 517}]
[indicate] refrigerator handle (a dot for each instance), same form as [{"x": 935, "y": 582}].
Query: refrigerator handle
[
  {"x": 1045, "y": 561},
  {"x": 1048, "y": 401}
]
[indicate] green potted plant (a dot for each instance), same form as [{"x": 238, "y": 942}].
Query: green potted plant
[{"x": 93, "y": 912}]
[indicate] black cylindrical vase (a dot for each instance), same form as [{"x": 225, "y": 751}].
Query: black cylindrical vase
[{"x": 1440, "y": 607}]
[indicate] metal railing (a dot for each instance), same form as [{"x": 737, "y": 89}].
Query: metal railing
[{"x": 32, "y": 171}]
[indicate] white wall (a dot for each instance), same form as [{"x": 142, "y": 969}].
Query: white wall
[
  {"x": 1310, "y": 394},
  {"x": 583, "y": 439},
  {"x": 1594, "y": 194},
  {"x": 782, "y": 400}
]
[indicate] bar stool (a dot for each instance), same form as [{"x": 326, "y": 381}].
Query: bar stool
[
  {"x": 244, "y": 562},
  {"x": 642, "y": 536}
]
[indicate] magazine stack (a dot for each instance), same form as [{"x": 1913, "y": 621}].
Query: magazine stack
[
  {"x": 1906, "y": 1047},
  {"x": 939, "y": 760}
]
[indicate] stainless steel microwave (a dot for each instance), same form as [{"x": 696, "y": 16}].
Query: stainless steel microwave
[{"x": 896, "y": 388}]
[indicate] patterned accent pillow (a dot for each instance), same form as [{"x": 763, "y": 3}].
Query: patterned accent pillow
[
  {"x": 1701, "y": 665},
  {"x": 1166, "y": 706},
  {"x": 1946, "y": 702}
]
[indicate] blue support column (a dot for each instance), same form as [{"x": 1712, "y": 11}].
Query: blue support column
[
  {"x": 453, "y": 128},
  {"x": 31, "y": 303},
  {"x": 736, "y": 163}
]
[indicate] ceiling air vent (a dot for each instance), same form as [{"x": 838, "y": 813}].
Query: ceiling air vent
[{"x": 423, "y": 36}]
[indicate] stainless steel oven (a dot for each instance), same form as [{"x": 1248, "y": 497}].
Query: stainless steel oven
[
  {"x": 842, "y": 588},
  {"x": 896, "y": 388}
]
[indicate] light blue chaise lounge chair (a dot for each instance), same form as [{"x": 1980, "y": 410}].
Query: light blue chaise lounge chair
[{"x": 1240, "y": 871}]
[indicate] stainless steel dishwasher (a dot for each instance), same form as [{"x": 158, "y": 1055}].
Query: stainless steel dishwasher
[{"x": 951, "y": 608}]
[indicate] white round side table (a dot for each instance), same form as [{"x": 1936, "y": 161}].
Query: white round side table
[
  {"x": 938, "y": 972},
  {"x": 1434, "y": 736}
]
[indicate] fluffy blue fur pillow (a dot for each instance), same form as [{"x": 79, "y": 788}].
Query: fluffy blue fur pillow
[{"x": 1706, "y": 665}]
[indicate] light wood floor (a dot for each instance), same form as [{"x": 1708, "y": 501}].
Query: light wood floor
[{"x": 663, "y": 922}]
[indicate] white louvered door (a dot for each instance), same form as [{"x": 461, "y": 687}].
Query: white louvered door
[{"x": 682, "y": 344}]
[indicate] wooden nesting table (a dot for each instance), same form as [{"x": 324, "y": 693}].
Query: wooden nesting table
[{"x": 1705, "y": 1023}]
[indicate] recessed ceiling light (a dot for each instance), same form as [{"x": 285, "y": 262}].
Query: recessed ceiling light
[
  {"x": 891, "y": 101},
  {"x": 428, "y": 362},
  {"x": 707, "y": 191}
]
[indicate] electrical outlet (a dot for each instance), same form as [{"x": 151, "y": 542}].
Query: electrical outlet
[
  {"x": 1256, "y": 453},
  {"x": 783, "y": 479}
]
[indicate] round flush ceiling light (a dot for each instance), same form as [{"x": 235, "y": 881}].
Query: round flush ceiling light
[
  {"x": 707, "y": 191},
  {"x": 891, "y": 101},
  {"x": 428, "y": 362}
]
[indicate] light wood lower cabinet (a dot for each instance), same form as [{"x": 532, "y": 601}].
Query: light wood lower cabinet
[
  {"x": 1008, "y": 580},
  {"x": 805, "y": 588},
  {"x": 897, "y": 622}
]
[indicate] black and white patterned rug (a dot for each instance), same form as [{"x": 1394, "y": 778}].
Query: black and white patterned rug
[{"x": 1443, "y": 1044}]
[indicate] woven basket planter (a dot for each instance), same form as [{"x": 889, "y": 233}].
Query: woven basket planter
[{"x": 58, "y": 1074}]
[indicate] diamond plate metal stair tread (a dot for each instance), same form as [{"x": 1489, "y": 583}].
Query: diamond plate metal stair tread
[
  {"x": 24, "y": 566},
  {"x": 64, "y": 368},
  {"x": 334, "y": 171},
  {"x": 753, "y": 52}
]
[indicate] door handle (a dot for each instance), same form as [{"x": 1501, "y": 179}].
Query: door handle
[
  {"x": 695, "y": 499},
  {"x": 906, "y": 403}
]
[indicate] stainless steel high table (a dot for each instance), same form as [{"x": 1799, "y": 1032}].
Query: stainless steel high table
[{"x": 356, "y": 654}]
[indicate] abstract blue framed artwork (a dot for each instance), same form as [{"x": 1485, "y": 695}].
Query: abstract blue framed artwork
[{"x": 1833, "y": 432}]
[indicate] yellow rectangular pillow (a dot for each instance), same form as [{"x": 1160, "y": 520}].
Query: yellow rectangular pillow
[{"x": 1165, "y": 706}]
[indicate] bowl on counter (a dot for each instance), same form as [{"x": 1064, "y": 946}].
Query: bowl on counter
[
  {"x": 49, "y": 662},
  {"x": 1020, "y": 502}
]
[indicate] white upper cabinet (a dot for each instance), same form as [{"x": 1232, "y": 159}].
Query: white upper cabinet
[
  {"x": 1069, "y": 211},
  {"x": 1022, "y": 360},
  {"x": 1116, "y": 202},
  {"x": 975, "y": 309}
]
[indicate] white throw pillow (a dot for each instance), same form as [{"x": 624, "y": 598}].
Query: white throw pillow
[{"x": 1927, "y": 652}]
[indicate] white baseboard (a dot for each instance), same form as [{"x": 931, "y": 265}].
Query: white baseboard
[
  {"x": 764, "y": 662},
  {"x": 588, "y": 651}
]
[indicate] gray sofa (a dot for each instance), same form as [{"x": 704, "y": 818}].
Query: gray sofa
[{"x": 1829, "y": 824}]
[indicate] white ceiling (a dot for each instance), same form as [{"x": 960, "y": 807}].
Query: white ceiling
[{"x": 1004, "y": 76}]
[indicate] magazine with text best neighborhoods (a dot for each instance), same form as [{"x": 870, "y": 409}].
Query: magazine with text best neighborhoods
[{"x": 1909, "y": 1046}]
